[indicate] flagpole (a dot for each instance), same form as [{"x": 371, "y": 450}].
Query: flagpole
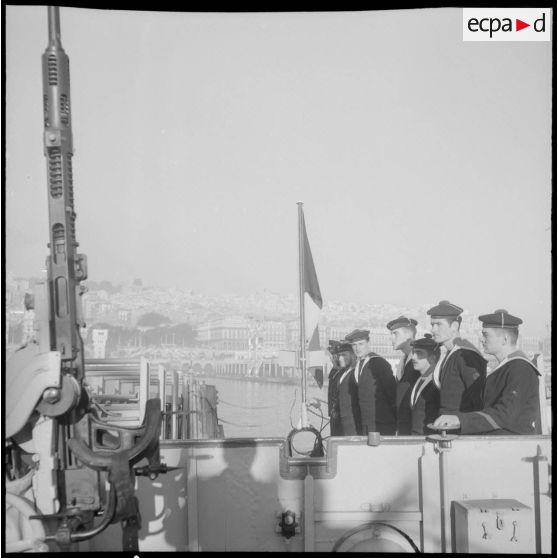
[{"x": 302, "y": 362}]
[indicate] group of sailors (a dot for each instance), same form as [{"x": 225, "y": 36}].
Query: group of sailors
[{"x": 441, "y": 381}]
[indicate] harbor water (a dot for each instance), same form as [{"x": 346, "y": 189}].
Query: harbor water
[{"x": 258, "y": 409}]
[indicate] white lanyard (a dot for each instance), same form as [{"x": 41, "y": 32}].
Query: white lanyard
[
  {"x": 345, "y": 374},
  {"x": 441, "y": 361},
  {"x": 415, "y": 393},
  {"x": 401, "y": 366},
  {"x": 509, "y": 358},
  {"x": 360, "y": 365}
]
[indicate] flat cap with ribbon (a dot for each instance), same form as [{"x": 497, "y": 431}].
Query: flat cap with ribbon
[
  {"x": 344, "y": 347},
  {"x": 445, "y": 309},
  {"x": 402, "y": 321},
  {"x": 500, "y": 318},
  {"x": 357, "y": 335},
  {"x": 332, "y": 346},
  {"x": 426, "y": 343},
  {"x": 337, "y": 347}
]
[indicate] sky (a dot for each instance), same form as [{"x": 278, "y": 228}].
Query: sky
[{"x": 423, "y": 161}]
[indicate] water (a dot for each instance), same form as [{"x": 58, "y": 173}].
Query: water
[{"x": 262, "y": 409}]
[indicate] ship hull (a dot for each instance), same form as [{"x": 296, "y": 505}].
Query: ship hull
[{"x": 405, "y": 493}]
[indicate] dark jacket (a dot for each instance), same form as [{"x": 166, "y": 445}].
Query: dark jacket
[
  {"x": 376, "y": 396},
  {"x": 462, "y": 377},
  {"x": 425, "y": 410},
  {"x": 333, "y": 402},
  {"x": 348, "y": 404},
  {"x": 511, "y": 400},
  {"x": 403, "y": 398}
]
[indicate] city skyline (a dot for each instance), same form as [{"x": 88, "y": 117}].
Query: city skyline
[
  {"x": 196, "y": 134},
  {"x": 253, "y": 305}
]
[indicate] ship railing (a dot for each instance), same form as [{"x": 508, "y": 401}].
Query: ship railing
[
  {"x": 121, "y": 388},
  {"x": 545, "y": 395}
]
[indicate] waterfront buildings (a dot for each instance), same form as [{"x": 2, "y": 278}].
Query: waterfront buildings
[{"x": 263, "y": 322}]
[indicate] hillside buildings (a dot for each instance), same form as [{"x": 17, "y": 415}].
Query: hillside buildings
[{"x": 265, "y": 322}]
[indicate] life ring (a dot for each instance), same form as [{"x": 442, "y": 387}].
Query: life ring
[
  {"x": 314, "y": 449},
  {"x": 375, "y": 536}
]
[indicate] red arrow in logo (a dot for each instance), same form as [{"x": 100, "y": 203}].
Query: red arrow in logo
[{"x": 519, "y": 25}]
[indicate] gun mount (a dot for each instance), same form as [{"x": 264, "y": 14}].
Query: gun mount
[{"x": 55, "y": 440}]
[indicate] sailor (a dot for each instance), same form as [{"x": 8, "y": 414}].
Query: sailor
[
  {"x": 332, "y": 389},
  {"x": 376, "y": 387},
  {"x": 423, "y": 398},
  {"x": 341, "y": 393},
  {"x": 402, "y": 332},
  {"x": 511, "y": 394},
  {"x": 347, "y": 391},
  {"x": 461, "y": 371}
]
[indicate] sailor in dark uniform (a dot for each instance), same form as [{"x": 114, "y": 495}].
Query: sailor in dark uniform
[
  {"x": 376, "y": 387},
  {"x": 423, "y": 398},
  {"x": 332, "y": 389},
  {"x": 347, "y": 392},
  {"x": 511, "y": 394},
  {"x": 402, "y": 332},
  {"x": 461, "y": 370}
]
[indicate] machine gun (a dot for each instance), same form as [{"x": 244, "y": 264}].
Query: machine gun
[{"x": 62, "y": 455}]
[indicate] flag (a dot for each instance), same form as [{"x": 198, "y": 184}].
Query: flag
[{"x": 312, "y": 296}]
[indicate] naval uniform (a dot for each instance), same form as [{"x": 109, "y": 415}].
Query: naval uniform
[
  {"x": 460, "y": 377},
  {"x": 347, "y": 391},
  {"x": 402, "y": 397},
  {"x": 333, "y": 401},
  {"x": 424, "y": 404},
  {"x": 406, "y": 376},
  {"x": 376, "y": 395},
  {"x": 511, "y": 400}
]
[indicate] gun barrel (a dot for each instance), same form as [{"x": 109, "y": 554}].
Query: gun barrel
[
  {"x": 53, "y": 24},
  {"x": 65, "y": 267}
]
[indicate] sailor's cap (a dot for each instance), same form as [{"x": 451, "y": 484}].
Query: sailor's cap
[
  {"x": 425, "y": 342},
  {"x": 500, "y": 318},
  {"x": 333, "y": 346},
  {"x": 344, "y": 347},
  {"x": 357, "y": 335},
  {"x": 402, "y": 321},
  {"x": 445, "y": 309}
]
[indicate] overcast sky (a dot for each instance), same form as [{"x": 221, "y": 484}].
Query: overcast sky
[{"x": 424, "y": 162}]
